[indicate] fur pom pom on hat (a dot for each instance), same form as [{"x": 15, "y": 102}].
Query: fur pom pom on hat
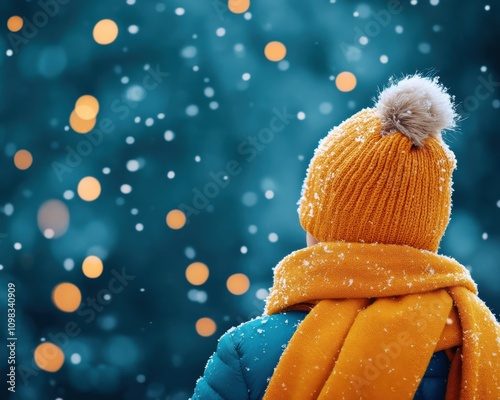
[
  {"x": 385, "y": 175},
  {"x": 417, "y": 107}
]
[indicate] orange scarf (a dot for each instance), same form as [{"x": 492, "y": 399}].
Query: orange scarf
[{"x": 380, "y": 313}]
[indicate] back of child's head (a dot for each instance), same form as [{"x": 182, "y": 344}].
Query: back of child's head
[{"x": 385, "y": 174}]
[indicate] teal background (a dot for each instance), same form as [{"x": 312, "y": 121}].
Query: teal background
[{"x": 143, "y": 344}]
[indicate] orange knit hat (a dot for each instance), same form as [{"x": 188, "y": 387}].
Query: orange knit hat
[{"x": 385, "y": 175}]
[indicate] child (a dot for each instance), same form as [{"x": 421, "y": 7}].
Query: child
[{"x": 369, "y": 310}]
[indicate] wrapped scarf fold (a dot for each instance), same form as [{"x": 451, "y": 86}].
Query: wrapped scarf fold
[{"x": 378, "y": 314}]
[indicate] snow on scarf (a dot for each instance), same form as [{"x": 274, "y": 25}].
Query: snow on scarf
[{"x": 378, "y": 314}]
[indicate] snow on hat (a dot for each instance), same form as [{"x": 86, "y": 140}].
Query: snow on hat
[{"x": 385, "y": 174}]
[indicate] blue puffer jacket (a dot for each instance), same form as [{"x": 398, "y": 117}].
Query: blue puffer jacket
[{"x": 246, "y": 356}]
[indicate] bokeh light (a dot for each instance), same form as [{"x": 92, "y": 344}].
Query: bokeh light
[
  {"x": 15, "y": 23},
  {"x": 49, "y": 357},
  {"x": 23, "y": 159},
  {"x": 345, "y": 81},
  {"x": 238, "y": 284},
  {"x": 206, "y": 327},
  {"x": 105, "y": 31},
  {"x": 53, "y": 218},
  {"x": 81, "y": 125},
  {"x": 197, "y": 273},
  {"x": 92, "y": 267},
  {"x": 87, "y": 107},
  {"x": 89, "y": 188},
  {"x": 238, "y": 6},
  {"x": 176, "y": 219},
  {"x": 275, "y": 51},
  {"x": 66, "y": 297}
]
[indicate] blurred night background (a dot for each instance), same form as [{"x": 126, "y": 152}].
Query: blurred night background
[{"x": 195, "y": 115}]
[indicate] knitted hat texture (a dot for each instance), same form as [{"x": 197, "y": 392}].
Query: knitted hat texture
[{"x": 385, "y": 174}]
